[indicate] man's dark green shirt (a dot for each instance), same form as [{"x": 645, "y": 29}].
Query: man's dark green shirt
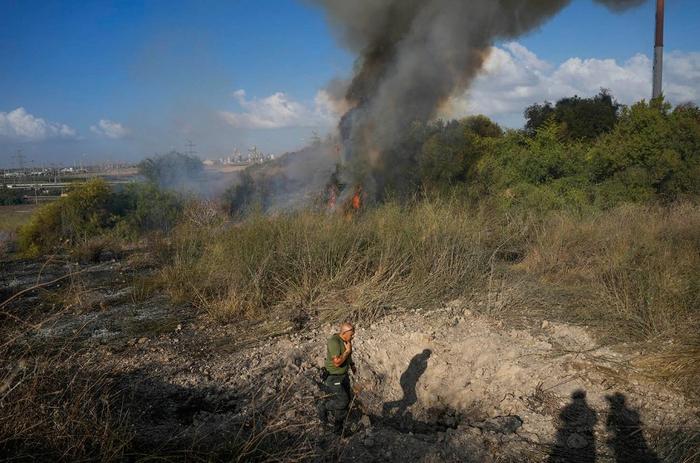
[{"x": 335, "y": 348}]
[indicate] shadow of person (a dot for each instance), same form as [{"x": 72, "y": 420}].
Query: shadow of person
[
  {"x": 625, "y": 428},
  {"x": 575, "y": 436},
  {"x": 408, "y": 381}
]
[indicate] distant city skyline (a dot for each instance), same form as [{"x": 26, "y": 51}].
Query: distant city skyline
[{"x": 93, "y": 81}]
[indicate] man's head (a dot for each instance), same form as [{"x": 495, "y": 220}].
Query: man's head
[{"x": 347, "y": 331}]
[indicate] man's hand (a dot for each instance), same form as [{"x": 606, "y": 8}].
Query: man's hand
[{"x": 339, "y": 360}]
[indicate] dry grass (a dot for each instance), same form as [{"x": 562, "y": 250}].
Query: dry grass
[
  {"x": 640, "y": 266},
  {"x": 275, "y": 430},
  {"x": 61, "y": 401},
  {"x": 641, "y": 261},
  {"x": 676, "y": 364},
  {"x": 630, "y": 273},
  {"x": 13, "y": 217},
  {"x": 392, "y": 256},
  {"x": 53, "y": 408},
  {"x": 97, "y": 249}
]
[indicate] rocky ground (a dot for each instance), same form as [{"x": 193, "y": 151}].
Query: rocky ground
[{"x": 441, "y": 385}]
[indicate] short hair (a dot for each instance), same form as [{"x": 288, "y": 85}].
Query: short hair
[{"x": 346, "y": 326}]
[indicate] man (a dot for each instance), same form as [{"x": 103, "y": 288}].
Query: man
[{"x": 337, "y": 384}]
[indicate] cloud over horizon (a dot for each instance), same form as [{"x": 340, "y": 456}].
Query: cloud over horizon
[
  {"x": 280, "y": 111},
  {"x": 109, "y": 129},
  {"x": 23, "y": 126},
  {"x": 514, "y": 77}
]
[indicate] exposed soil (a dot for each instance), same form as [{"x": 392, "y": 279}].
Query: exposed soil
[{"x": 441, "y": 385}]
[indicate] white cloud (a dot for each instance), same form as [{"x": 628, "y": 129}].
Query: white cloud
[
  {"x": 21, "y": 125},
  {"x": 514, "y": 78},
  {"x": 279, "y": 110},
  {"x": 109, "y": 129}
]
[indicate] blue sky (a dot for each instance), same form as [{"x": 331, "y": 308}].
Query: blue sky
[{"x": 125, "y": 79}]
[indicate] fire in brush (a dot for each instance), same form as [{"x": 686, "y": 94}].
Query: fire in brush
[{"x": 413, "y": 55}]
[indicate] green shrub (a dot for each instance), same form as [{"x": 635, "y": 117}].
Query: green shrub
[
  {"x": 582, "y": 118},
  {"x": 91, "y": 209},
  {"x": 449, "y": 155},
  {"x": 247, "y": 195},
  {"x": 9, "y": 196},
  {"x": 172, "y": 169},
  {"x": 541, "y": 173},
  {"x": 82, "y": 214},
  {"x": 145, "y": 207},
  {"x": 651, "y": 152}
]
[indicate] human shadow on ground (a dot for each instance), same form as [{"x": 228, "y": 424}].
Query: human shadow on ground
[
  {"x": 396, "y": 414},
  {"x": 625, "y": 428},
  {"x": 408, "y": 381},
  {"x": 575, "y": 435}
]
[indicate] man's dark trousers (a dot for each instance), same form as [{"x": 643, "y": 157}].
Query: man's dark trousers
[{"x": 337, "y": 387}]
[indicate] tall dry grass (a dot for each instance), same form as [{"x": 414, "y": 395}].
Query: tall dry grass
[
  {"x": 392, "y": 256},
  {"x": 631, "y": 272},
  {"x": 641, "y": 265},
  {"x": 642, "y": 262},
  {"x": 53, "y": 408}
]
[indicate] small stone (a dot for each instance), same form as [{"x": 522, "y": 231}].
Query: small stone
[
  {"x": 143, "y": 340},
  {"x": 178, "y": 327},
  {"x": 365, "y": 421},
  {"x": 545, "y": 324}
]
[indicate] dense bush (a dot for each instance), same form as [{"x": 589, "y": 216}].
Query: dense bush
[
  {"x": 91, "y": 209},
  {"x": 581, "y": 118},
  {"x": 171, "y": 170},
  {"x": 448, "y": 155},
  {"x": 246, "y": 195},
  {"x": 9, "y": 197},
  {"x": 145, "y": 207},
  {"x": 83, "y": 213},
  {"x": 652, "y": 153}
]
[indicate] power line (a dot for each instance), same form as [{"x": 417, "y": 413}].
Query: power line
[
  {"x": 20, "y": 158},
  {"x": 190, "y": 148}
]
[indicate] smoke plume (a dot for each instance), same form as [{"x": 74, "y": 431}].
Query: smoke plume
[{"x": 412, "y": 56}]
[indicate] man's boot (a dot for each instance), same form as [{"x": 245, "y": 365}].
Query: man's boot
[{"x": 322, "y": 413}]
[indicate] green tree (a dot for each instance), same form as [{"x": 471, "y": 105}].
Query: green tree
[
  {"x": 171, "y": 170},
  {"x": 581, "y": 118},
  {"x": 543, "y": 172},
  {"x": 483, "y": 126},
  {"x": 652, "y": 151},
  {"x": 448, "y": 154}
]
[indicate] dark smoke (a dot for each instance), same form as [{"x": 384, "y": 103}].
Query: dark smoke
[{"x": 414, "y": 55}]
